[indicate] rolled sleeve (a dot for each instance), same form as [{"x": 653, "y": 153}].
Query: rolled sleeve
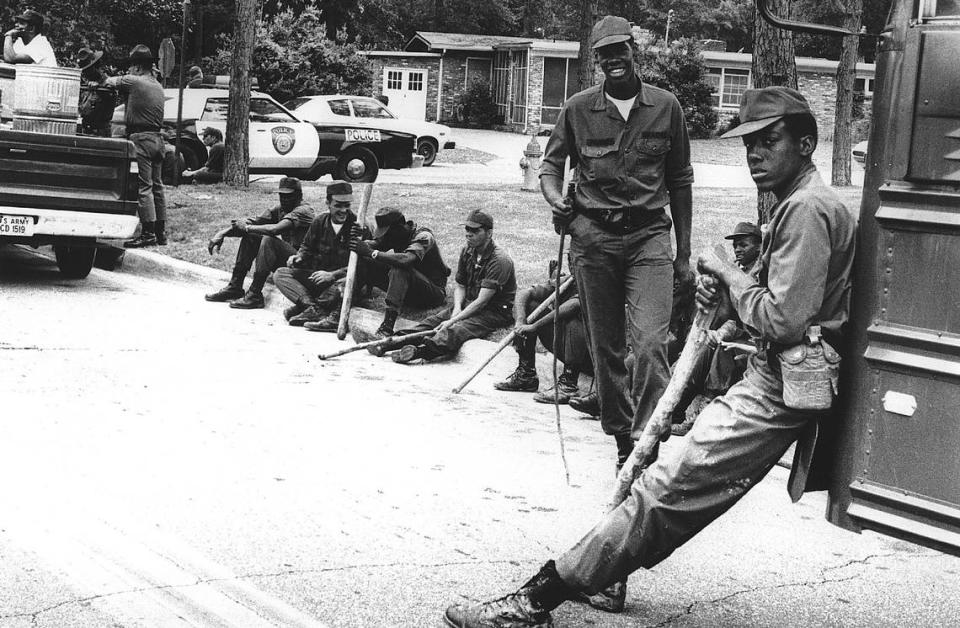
[
  {"x": 679, "y": 170},
  {"x": 797, "y": 275},
  {"x": 497, "y": 274},
  {"x": 421, "y": 243},
  {"x": 557, "y": 150}
]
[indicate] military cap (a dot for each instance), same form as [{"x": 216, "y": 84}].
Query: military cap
[
  {"x": 759, "y": 108},
  {"x": 338, "y": 188},
  {"x": 140, "y": 55},
  {"x": 611, "y": 29},
  {"x": 87, "y": 57},
  {"x": 478, "y": 218},
  {"x": 387, "y": 217},
  {"x": 289, "y": 185},
  {"x": 744, "y": 229},
  {"x": 30, "y": 17}
]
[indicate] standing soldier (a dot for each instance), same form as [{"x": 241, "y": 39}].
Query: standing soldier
[
  {"x": 628, "y": 142},
  {"x": 144, "y": 118},
  {"x": 796, "y": 307}
]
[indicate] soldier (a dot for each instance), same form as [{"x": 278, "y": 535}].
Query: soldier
[
  {"x": 310, "y": 278},
  {"x": 482, "y": 297},
  {"x": 796, "y": 307},
  {"x": 212, "y": 170},
  {"x": 571, "y": 350},
  {"x": 404, "y": 260}
]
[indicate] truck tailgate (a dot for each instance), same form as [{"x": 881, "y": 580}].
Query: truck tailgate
[{"x": 68, "y": 172}]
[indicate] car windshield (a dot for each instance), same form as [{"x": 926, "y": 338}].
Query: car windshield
[
  {"x": 261, "y": 110},
  {"x": 364, "y": 108}
]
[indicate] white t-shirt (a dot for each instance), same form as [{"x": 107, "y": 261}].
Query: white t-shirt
[
  {"x": 39, "y": 49},
  {"x": 623, "y": 106}
]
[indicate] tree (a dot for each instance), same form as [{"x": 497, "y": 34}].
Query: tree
[
  {"x": 237, "y": 142},
  {"x": 588, "y": 17},
  {"x": 846, "y": 74},
  {"x": 679, "y": 69},
  {"x": 773, "y": 64}
]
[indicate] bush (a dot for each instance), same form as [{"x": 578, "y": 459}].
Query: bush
[
  {"x": 292, "y": 57},
  {"x": 680, "y": 70},
  {"x": 475, "y": 106}
]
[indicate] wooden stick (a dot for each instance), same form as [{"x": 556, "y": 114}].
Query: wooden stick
[
  {"x": 533, "y": 316},
  {"x": 352, "y": 266},
  {"x": 660, "y": 420},
  {"x": 377, "y": 343}
]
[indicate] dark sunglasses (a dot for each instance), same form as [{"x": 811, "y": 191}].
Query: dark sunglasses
[{"x": 473, "y": 229}]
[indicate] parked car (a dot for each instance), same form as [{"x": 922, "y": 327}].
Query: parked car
[
  {"x": 860, "y": 152},
  {"x": 361, "y": 110},
  {"x": 282, "y": 143}
]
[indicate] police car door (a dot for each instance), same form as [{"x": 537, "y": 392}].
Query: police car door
[{"x": 278, "y": 140}]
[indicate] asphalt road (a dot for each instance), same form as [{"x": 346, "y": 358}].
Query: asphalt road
[{"x": 170, "y": 462}]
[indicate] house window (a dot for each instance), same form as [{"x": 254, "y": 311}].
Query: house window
[
  {"x": 864, "y": 85},
  {"x": 415, "y": 81},
  {"x": 478, "y": 69},
  {"x": 559, "y": 83},
  {"x": 501, "y": 81},
  {"x": 518, "y": 83},
  {"x": 728, "y": 85},
  {"x": 394, "y": 79}
]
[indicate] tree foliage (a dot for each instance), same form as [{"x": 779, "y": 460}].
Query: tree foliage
[
  {"x": 680, "y": 70},
  {"x": 293, "y": 57}
]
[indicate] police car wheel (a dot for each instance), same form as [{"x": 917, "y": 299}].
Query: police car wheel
[
  {"x": 428, "y": 150},
  {"x": 358, "y": 165}
]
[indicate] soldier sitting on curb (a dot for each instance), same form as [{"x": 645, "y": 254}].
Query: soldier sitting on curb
[
  {"x": 402, "y": 259},
  {"x": 270, "y": 239},
  {"x": 482, "y": 298},
  {"x": 572, "y": 350},
  {"x": 310, "y": 278}
]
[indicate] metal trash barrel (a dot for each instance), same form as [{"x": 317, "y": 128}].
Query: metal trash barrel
[{"x": 47, "y": 92}]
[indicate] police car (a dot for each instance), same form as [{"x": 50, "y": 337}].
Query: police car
[
  {"x": 280, "y": 143},
  {"x": 368, "y": 112}
]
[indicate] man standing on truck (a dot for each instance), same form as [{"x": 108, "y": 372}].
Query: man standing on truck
[
  {"x": 796, "y": 305},
  {"x": 25, "y": 42},
  {"x": 144, "y": 118}
]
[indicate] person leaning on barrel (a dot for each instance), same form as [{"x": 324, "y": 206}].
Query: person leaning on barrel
[
  {"x": 96, "y": 102},
  {"x": 25, "y": 43}
]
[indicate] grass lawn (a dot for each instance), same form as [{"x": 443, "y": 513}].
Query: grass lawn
[{"x": 522, "y": 219}]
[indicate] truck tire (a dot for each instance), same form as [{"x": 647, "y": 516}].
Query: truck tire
[
  {"x": 427, "y": 148},
  {"x": 358, "y": 165},
  {"x": 75, "y": 262}
]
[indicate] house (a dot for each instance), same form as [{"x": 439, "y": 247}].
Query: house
[{"x": 531, "y": 78}]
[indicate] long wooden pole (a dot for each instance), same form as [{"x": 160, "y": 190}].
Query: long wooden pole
[
  {"x": 376, "y": 343},
  {"x": 352, "y": 266},
  {"x": 531, "y": 317},
  {"x": 660, "y": 420}
]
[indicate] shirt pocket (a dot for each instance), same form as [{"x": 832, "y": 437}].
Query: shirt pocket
[
  {"x": 599, "y": 163},
  {"x": 653, "y": 148}
]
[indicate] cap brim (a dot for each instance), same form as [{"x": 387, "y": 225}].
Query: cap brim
[
  {"x": 472, "y": 225},
  {"x": 611, "y": 39},
  {"x": 752, "y": 126},
  {"x": 96, "y": 57}
]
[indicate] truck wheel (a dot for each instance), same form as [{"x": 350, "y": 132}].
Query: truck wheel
[
  {"x": 358, "y": 165},
  {"x": 427, "y": 148},
  {"x": 75, "y": 262}
]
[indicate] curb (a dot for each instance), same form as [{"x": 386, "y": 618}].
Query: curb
[{"x": 472, "y": 353}]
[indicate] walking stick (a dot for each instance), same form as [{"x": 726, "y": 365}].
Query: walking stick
[
  {"x": 556, "y": 342},
  {"x": 531, "y": 317},
  {"x": 376, "y": 343},
  {"x": 352, "y": 266},
  {"x": 660, "y": 420}
]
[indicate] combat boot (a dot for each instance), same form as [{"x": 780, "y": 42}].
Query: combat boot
[
  {"x": 589, "y": 404},
  {"x": 147, "y": 237},
  {"x": 249, "y": 301},
  {"x": 311, "y": 314},
  {"x": 523, "y": 379},
  {"x": 330, "y": 323},
  {"x": 567, "y": 388},
  {"x": 223, "y": 295},
  {"x": 161, "y": 232},
  {"x": 386, "y": 327}
]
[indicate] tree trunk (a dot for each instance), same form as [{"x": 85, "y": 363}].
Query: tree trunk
[
  {"x": 197, "y": 33},
  {"x": 237, "y": 142},
  {"x": 588, "y": 17},
  {"x": 774, "y": 63},
  {"x": 846, "y": 74}
]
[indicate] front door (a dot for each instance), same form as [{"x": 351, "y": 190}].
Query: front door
[{"x": 406, "y": 90}]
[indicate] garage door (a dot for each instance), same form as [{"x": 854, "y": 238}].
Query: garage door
[{"x": 407, "y": 91}]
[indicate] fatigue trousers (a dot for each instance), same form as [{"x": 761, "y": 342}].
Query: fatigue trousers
[
  {"x": 295, "y": 284},
  {"x": 447, "y": 342},
  {"x": 402, "y": 285},
  {"x": 735, "y": 441},
  {"x": 270, "y": 254},
  {"x": 572, "y": 350},
  {"x": 149, "y": 146},
  {"x": 633, "y": 270}
]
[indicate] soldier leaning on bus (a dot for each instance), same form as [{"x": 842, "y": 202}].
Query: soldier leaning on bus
[{"x": 795, "y": 310}]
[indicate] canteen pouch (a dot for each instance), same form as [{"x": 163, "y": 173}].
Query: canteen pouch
[{"x": 811, "y": 373}]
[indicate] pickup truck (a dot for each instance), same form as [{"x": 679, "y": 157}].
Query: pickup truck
[{"x": 68, "y": 191}]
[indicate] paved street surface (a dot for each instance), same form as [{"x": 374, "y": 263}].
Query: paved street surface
[{"x": 171, "y": 462}]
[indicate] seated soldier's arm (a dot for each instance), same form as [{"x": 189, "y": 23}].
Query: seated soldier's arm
[
  {"x": 521, "y": 308},
  {"x": 459, "y": 295},
  {"x": 475, "y": 306},
  {"x": 275, "y": 229},
  {"x": 568, "y": 309}
]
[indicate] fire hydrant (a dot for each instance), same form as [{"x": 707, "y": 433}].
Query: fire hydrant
[{"x": 530, "y": 165}]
